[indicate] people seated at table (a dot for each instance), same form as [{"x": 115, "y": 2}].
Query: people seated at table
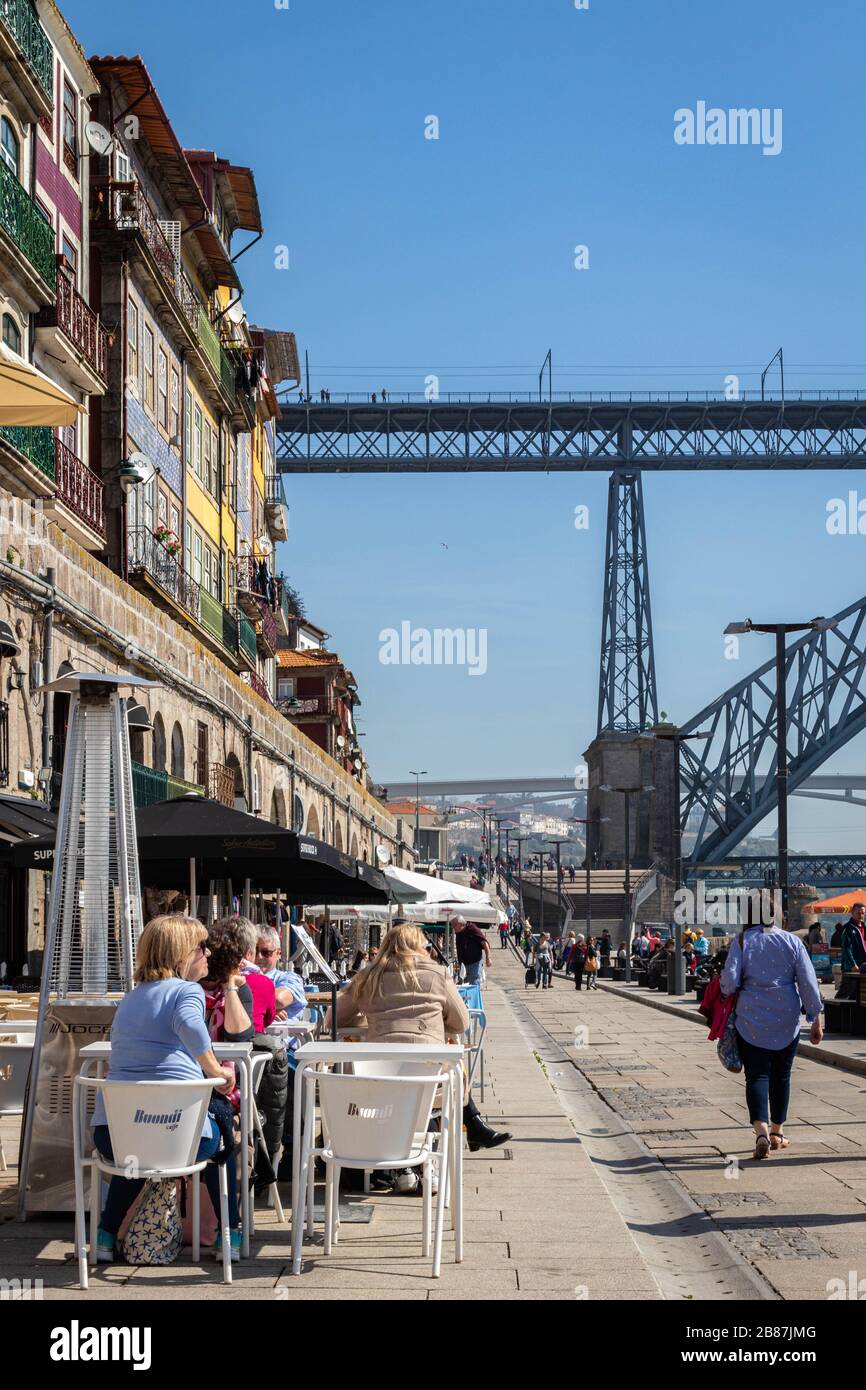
[
  {"x": 404, "y": 997},
  {"x": 289, "y": 986},
  {"x": 228, "y": 997},
  {"x": 159, "y": 1034}
]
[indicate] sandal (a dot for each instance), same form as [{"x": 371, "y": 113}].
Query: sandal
[
  {"x": 778, "y": 1141},
  {"x": 762, "y": 1146}
]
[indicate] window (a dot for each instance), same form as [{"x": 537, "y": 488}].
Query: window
[
  {"x": 188, "y": 549},
  {"x": 162, "y": 389},
  {"x": 198, "y": 440},
  {"x": 175, "y": 522},
  {"x": 286, "y": 688},
  {"x": 122, "y": 168},
  {"x": 4, "y": 744},
  {"x": 230, "y": 591},
  {"x": 188, "y": 428},
  {"x": 202, "y": 756},
  {"x": 196, "y": 565},
  {"x": 149, "y": 345},
  {"x": 206, "y": 463},
  {"x": 70, "y": 252},
  {"x": 174, "y": 419},
  {"x": 214, "y": 463},
  {"x": 132, "y": 341},
  {"x": 208, "y": 570},
  {"x": 162, "y": 510},
  {"x": 10, "y": 146},
  {"x": 70, "y": 127},
  {"x": 11, "y": 334}
]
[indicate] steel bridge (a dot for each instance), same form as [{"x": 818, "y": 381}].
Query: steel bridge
[
  {"x": 754, "y": 871},
  {"x": 654, "y": 435},
  {"x": 628, "y": 436}
]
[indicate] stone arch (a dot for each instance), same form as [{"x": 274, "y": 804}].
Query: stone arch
[
  {"x": 159, "y": 743},
  {"x": 312, "y": 822},
  {"x": 136, "y": 736},
  {"x": 298, "y": 815},
  {"x": 353, "y": 850},
  {"x": 278, "y": 807},
  {"x": 233, "y": 764},
  {"x": 338, "y": 836},
  {"x": 178, "y": 754}
]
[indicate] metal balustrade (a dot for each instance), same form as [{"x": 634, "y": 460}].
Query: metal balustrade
[
  {"x": 21, "y": 22},
  {"x": 27, "y": 225},
  {"x": 81, "y": 325},
  {"x": 35, "y": 442},
  {"x": 78, "y": 487}
]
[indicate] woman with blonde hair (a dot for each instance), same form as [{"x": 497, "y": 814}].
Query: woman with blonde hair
[
  {"x": 159, "y": 1034},
  {"x": 405, "y": 997}
]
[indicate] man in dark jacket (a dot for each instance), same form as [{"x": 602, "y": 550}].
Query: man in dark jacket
[{"x": 853, "y": 952}]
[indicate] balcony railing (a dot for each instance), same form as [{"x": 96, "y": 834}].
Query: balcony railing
[
  {"x": 78, "y": 487},
  {"x": 81, "y": 325},
  {"x": 150, "y": 785},
  {"x": 35, "y": 442},
  {"x": 247, "y": 638},
  {"x": 294, "y": 709},
  {"x": 219, "y": 622},
  {"x": 27, "y": 225},
  {"x": 122, "y": 207},
  {"x": 19, "y": 19},
  {"x": 259, "y": 687},
  {"x": 149, "y": 556},
  {"x": 267, "y": 630},
  {"x": 222, "y": 784},
  {"x": 209, "y": 340}
]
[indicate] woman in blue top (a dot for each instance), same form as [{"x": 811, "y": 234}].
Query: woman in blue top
[
  {"x": 777, "y": 981},
  {"x": 159, "y": 1034}
]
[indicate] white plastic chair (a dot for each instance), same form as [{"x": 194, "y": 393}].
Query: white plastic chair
[
  {"x": 15, "y": 1059},
  {"x": 259, "y": 1062},
  {"x": 157, "y": 1151},
  {"x": 475, "y": 1046},
  {"x": 380, "y": 1122}
]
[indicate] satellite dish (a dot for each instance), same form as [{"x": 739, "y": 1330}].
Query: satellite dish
[
  {"x": 341, "y": 742},
  {"x": 358, "y": 764},
  {"x": 98, "y": 138},
  {"x": 383, "y": 854},
  {"x": 236, "y": 312}
]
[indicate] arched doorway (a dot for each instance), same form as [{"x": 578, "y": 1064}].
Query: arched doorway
[
  {"x": 178, "y": 761},
  {"x": 298, "y": 816},
  {"x": 158, "y": 743},
  {"x": 312, "y": 822},
  {"x": 278, "y": 807},
  {"x": 354, "y": 848},
  {"x": 338, "y": 836},
  {"x": 240, "y": 797}
]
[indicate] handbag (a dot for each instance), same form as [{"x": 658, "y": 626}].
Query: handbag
[
  {"x": 727, "y": 1047},
  {"x": 154, "y": 1235}
]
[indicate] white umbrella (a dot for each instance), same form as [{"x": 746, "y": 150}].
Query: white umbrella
[
  {"x": 29, "y": 397},
  {"x": 436, "y": 890}
]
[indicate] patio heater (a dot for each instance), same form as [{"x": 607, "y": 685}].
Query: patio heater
[{"x": 94, "y": 922}]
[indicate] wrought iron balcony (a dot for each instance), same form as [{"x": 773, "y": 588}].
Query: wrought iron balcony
[
  {"x": 123, "y": 207},
  {"x": 74, "y": 317},
  {"x": 259, "y": 687},
  {"x": 27, "y": 225},
  {"x": 149, "y": 556},
  {"x": 78, "y": 487},
  {"x": 35, "y": 442},
  {"x": 276, "y": 508},
  {"x": 247, "y": 650},
  {"x": 266, "y": 632},
  {"x": 219, "y": 622},
  {"x": 222, "y": 784},
  {"x": 19, "y": 19},
  {"x": 150, "y": 784}
]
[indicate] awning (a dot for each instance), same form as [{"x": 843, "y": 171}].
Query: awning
[
  {"x": 21, "y": 818},
  {"x": 29, "y": 397},
  {"x": 228, "y": 844},
  {"x": 842, "y": 902}
]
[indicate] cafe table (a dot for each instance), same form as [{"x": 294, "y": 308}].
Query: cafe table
[
  {"x": 95, "y": 1056},
  {"x": 317, "y": 1056}
]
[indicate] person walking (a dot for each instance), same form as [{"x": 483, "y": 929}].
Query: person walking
[
  {"x": 543, "y": 961},
  {"x": 578, "y": 960},
  {"x": 591, "y": 964},
  {"x": 605, "y": 947},
  {"x": 775, "y": 978},
  {"x": 503, "y": 935},
  {"x": 473, "y": 951}
]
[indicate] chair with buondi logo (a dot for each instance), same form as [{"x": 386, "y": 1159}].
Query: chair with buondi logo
[{"x": 157, "y": 1127}]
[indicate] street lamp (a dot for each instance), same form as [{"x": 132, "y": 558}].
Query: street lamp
[
  {"x": 520, "y": 839},
  {"x": 780, "y": 631},
  {"x": 557, "y": 843},
  {"x": 627, "y": 792},
  {"x": 417, "y": 776},
  {"x": 594, "y": 820},
  {"x": 677, "y": 739}
]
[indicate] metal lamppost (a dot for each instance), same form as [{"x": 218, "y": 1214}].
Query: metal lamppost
[
  {"x": 780, "y": 631},
  {"x": 677, "y": 739},
  {"x": 540, "y": 891},
  {"x": 417, "y": 776},
  {"x": 520, "y": 842},
  {"x": 557, "y": 843},
  {"x": 593, "y": 820},
  {"x": 627, "y": 792}
]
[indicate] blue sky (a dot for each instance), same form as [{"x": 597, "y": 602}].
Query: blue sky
[{"x": 411, "y": 256}]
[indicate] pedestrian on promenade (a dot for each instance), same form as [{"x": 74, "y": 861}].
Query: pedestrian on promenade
[
  {"x": 853, "y": 943},
  {"x": 605, "y": 946},
  {"x": 571, "y": 872},
  {"x": 503, "y": 935},
  {"x": 543, "y": 961},
  {"x": 526, "y": 944},
  {"x": 701, "y": 945},
  {"x": 567, "y": 950},
  {"x": 775, "y": 978},
  {"x": 591, "y": 964},
  {"x": 473, "y": 951},
  {"x": 384, "y": 394},
  {"x": 578, "y": 959}
]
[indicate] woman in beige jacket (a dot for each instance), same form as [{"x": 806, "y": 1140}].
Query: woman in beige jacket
[{"x": 406, "y": 998}]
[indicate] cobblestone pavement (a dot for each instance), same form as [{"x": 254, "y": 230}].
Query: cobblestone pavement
[
  {"x": 798, "y": 1217},
  {"x": 539, "y": 1222}
]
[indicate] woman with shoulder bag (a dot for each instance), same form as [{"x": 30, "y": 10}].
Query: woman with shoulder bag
[
  {"x": 591, "y": 964},
  {"x": 775, "y": 979}
]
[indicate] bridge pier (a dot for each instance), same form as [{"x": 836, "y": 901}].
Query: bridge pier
[{"x": 629, "y": 759}]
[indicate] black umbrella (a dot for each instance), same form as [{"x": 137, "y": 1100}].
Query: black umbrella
[
  {"x": 20, "y": 819},
  {"x": 226, "y": 844}
]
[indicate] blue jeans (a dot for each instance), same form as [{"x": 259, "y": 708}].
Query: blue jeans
[
  {"x": 768, "y": 1080},
  {"x": 542, "y": 972},
  {"x": 473, "y": 972},
  {"x": 122, "y": 1192}
]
